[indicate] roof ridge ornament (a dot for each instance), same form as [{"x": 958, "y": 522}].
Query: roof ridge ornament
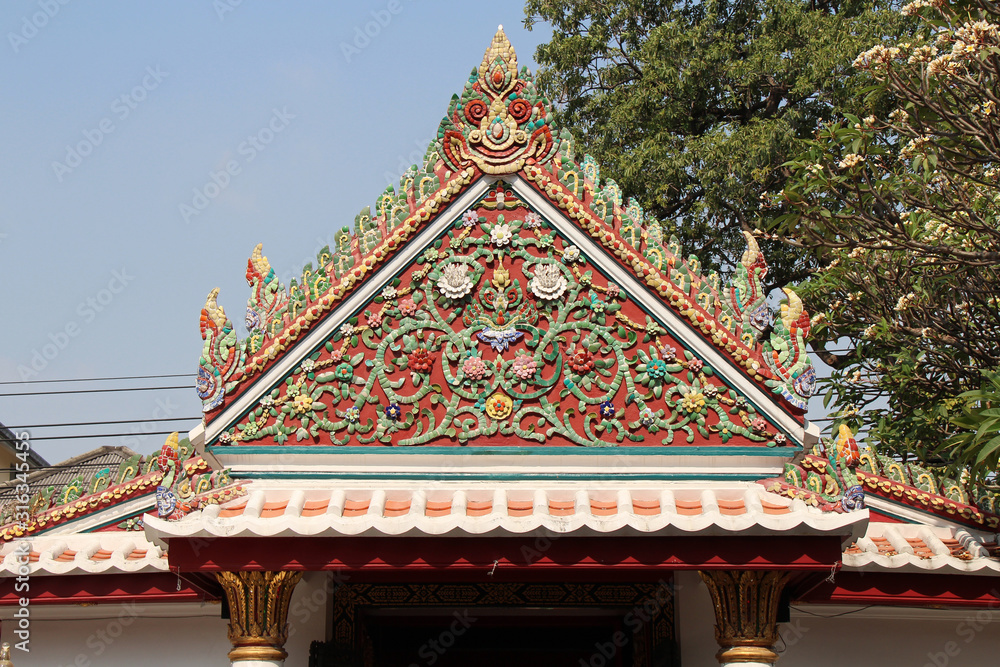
[{"x": 501, "y": 121}]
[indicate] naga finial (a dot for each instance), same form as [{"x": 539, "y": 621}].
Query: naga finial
[
  {"x": 847, "y": 447},
  {"x": 258, "y": 262},
  {"x": 213, "y": 310},
  {"x": 752, "y": 256},
  {"x": 791, "y": 311}
]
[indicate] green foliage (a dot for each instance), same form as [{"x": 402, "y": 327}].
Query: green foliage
[
  {"x": 694, "y": 106},
  {"x": 902, "y": 210},
  {"x": 977, "y": 443}
]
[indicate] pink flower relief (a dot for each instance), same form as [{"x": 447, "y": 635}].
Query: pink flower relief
[
  {"x": 407, "y": 307},
  {"x": 524, "y": 367},
  {"x": 375, "y": 319},
  {"x": 474, "y": 368},
  {"x": 336, "y": 355},
  {"x": 532, "y": 220}
]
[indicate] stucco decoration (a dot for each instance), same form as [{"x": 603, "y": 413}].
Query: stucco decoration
[
  {"x": 502, "y": 125},
  {"x": 519, "y": 342},
  {"x": 501, "y": 120},
  {"x": 177, "y": 479}
]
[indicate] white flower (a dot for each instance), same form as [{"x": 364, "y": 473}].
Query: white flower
[
  {"x": 899, "y": 116},
  {"x": 851, "y": 160},
  {"x": 532, "y": 220},
  {"x": 571, "y": 254},
  {"x": 470, "y": 218},
  {"x": 923, "y": 54},
  {"x": 548, "y": 282},
  {"x": 308, "y": 365},
  {"x": 455, "y": 282},
  {"x": 267, "y": 402},
  {"x": 904, "y": 302},
  {"x": 347, "y": 329},
  {"x": 389, "y": 293},
  {"x": 501, "y": 235}
]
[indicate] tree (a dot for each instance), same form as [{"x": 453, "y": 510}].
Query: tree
[
  {"x": 903, "y": 211},
  {"x": 693, "y": 107}
]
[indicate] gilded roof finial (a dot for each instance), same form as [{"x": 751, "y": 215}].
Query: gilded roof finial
[{"x": 499, "y": 67}]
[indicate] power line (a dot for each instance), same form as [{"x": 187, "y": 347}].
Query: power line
[
  {"x": 95, "y": 391},
  {"x": 100, "y": 435},
  {"x": 123, "y": 377},
  {"x": 120, "y": 421}
]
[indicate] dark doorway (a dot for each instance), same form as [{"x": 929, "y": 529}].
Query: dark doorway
[
  {"x": 555, "y": 624},
  {"x": 482, "y": 637}
]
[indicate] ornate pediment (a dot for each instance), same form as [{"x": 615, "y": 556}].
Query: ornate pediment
[{"x": 504, "y": 295}]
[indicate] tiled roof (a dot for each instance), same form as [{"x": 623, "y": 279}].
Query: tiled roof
[
  {"x": 61, "y": 474},
  {"x": 915, "y": 547},
  {"x": 86, "y": 553},
  {"x": 513, "y": 509}
]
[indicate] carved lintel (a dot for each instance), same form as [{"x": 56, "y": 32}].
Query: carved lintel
[
  {"x": 258, "y": 613},
  {"x": 746, "y": 610}
]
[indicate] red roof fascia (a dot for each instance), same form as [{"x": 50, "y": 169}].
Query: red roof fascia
[
  {"x": 908, "y": 590},
  {"x": 103, "y": 589},
  {"x": 927, "y": 502},
  {"x": 406, "y": 557}
]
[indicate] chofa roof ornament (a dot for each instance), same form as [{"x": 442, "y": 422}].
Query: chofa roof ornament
[
  {"x": 541, "y": 243},
  {"x": 501, "y": 120}
]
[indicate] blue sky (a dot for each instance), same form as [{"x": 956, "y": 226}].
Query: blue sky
[
  {"x": 117, "y": 113},
  {"x": 161, "y": 95}
]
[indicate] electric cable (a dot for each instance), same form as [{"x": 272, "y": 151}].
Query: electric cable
[
  {"x": 94, "y": 391},
  {"x": 104, "y": 379},
  {"x": 101, "y": 423},
  {"x": 99, "y": 435}
]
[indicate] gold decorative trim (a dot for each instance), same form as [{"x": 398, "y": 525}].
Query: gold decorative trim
[
  {"x": 746, "y": 611},
  {"x": 746, "y": 654},
  {"x": 258, "y": 612}
]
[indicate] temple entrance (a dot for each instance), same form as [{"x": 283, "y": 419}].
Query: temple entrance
[
  {"x": 521, "y": 624},
  {"x": 499, "y": 638}
]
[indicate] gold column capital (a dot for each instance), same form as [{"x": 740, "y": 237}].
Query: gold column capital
[
  {"x": 258, "y": 612},
  {"x": 746, "y": 611}
]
